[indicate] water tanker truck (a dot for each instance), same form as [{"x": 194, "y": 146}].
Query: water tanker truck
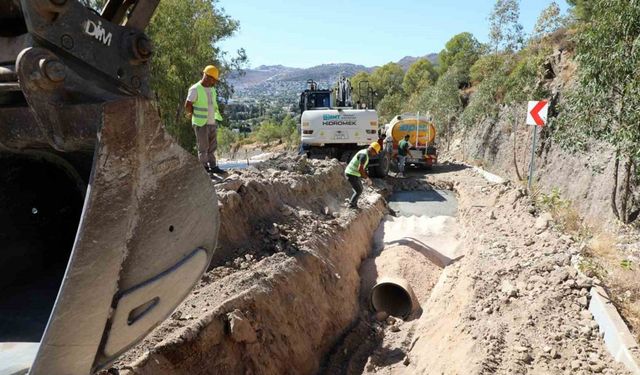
[{"x": 422, "y": 135}]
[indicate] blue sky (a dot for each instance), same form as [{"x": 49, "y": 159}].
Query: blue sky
[{"x": 303, "y": 33}]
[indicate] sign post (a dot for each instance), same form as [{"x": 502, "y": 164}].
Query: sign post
[
  {"x": 536, "y": 116},
  {"x": 417, "y": 126}
]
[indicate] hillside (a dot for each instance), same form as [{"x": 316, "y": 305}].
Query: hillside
[
  {"x": 268, "y": 80},
  {"x": 406, "y": 61}
]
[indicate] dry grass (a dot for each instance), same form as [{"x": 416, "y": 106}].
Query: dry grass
[
  {"x": 603, "y": 245},
  {"x": 601, "y": 256},
  {"x": 567, "y": 218},
  {"x": 624, "y": 288},
  {"x": 620, "y": 276}
]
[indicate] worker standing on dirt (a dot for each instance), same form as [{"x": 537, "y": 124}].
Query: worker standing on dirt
[
  {"x": 403, "y": 151},
  {"x": 202, "y": 107},
  {"x": 357, "y": 169}
]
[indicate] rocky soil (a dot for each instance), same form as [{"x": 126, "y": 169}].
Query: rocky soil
[
  {"x": 288, "y": 293},
  {"x": 513, "y": 305},
  {"x": 285, "y": 284},
  {"x": 584, "y": 180}
]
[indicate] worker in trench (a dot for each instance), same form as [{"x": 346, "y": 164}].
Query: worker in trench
[
  {"x": 357, "y": 170},
  {"x": 403, "y": 150},
  {"x": 202, "y": 107}
]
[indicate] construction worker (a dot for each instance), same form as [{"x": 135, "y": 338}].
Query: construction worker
[
  {"x": 202, "y": 107},
  {"x": 357, "y": 169},
  {"x": 403, "y": 151}
]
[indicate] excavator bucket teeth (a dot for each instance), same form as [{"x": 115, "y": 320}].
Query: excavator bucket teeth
[
  {"x": 146, "y": 234},
  {"x": 106, "y": 223}
]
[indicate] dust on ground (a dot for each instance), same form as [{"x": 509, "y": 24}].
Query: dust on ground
[
  {"x": 514, "y": 304},
  {"x": 289, "y": 298},
  {"x": 265, "y": 305}
]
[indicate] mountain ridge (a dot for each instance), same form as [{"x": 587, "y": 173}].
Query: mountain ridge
[{"x": 265, "y": 74}]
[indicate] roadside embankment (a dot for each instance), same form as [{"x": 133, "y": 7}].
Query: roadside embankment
[
  {"x": 514, "y": 303},
  {"x": 288, "y": 284}
]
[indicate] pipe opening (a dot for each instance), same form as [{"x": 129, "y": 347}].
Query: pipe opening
[
  {"x": 391, "y": 298},
  {"x": 40, "y": 207}
]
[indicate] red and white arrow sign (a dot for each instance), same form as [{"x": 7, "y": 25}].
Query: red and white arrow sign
[{"x": 537, "y": 113}]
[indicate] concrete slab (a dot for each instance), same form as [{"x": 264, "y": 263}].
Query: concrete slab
[
  {"x": 429, "y": 203},
  {"x": 617, "y": 337},
  {"x": 426, "y": 222},
  {"x": 489, "y": 176}
]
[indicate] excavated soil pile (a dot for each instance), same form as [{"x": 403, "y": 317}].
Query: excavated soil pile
[
  {"x": 513, "y": 304},
  {"x": 286, "y": 296},
  {"x": 286, "y": 285},
  {"x": 250, "y": 200}
]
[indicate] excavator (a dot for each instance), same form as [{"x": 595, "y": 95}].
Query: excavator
[{"x": 106, "y": 223}]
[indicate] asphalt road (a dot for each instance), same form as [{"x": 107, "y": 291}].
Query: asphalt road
[{"x": 424, "y": 203}]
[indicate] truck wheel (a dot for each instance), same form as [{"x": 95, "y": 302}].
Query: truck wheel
[{"x": 382, "y": 169}]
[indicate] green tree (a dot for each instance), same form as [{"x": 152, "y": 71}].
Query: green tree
[
  {"x": 485, "y": 101},
  {"x": 445, "y": 104},
  {"x": 360, "y": 82},
  {"x": 523, "y": 82},
  {"x": 390, "y": 106},
  {"x": 548, "y": 22},
  {"x": 186, "y": 34},
  {"x": 387, "y": 79},
  {"x": 226, "y": 138},
  {"x": 506, "y": 32},
  {"x": 486, "y": 66},
  {"x": 582, "y": 9},
  {"x": 605, "y": 105},
  {"x": 462, "y": 50},
  {"x": 419, "y": 75},
  {"x": 268, "y": 132},
  {"x": 288, "y": 127}
]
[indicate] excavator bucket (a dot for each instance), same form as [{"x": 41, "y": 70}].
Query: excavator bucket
[{"x": 106, "y": 224}]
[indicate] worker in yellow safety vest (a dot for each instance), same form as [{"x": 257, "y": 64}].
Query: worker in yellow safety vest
[
  {"x": 357, "y": 169},
  {"x": 202, "y": 107}
]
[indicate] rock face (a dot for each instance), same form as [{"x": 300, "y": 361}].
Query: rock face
[{"x": 584, "y": 180}]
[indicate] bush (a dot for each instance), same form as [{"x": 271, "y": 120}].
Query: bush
[
  {"x": 226, "y": 139},
  {"x": 522, "y": 84},
  {"x": 485, "y": 102},
  {"x": 485, "y": 66},
  {"x": 268, "y": 132},
  {"x": 286, "y": 131}
]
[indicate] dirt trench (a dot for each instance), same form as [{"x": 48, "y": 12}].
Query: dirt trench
[
  {"x": 412, "y": 245},
  {"x": 289, "y": 295},
  {"x": 285, "y": 283}
]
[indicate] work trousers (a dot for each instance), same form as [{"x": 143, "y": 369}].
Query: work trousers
[
  {"x": 356, "y": 184},
  {"x": 207, "y": 142},
  {"x": 401, "y": 163}
]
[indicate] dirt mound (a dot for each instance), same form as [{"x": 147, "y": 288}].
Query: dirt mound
[
  {"x": 252, "y": 199},
  {"x": 288, "y": 298},
  {"x": 514, "y": 303},
  {"x": 287, "y": 284}
]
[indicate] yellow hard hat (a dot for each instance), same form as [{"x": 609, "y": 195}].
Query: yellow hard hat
[
  {"x": 375, "y": 146},
  {"x": 212, "y": 71}
]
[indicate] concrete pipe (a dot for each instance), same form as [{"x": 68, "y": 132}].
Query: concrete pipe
[{"x": 393, "y": 296}]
